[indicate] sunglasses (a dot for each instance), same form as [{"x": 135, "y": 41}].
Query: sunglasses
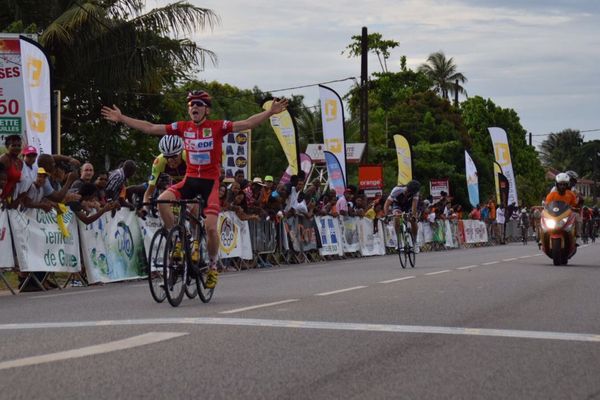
[
  {"x": 172, "y": 157},
  {"x": 198, "y": 103}
]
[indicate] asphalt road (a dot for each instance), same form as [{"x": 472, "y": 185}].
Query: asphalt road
[{"x": 488, "y": 323}]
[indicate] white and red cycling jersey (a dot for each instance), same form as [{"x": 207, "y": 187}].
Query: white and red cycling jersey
[{"x": 203, "y": 145}]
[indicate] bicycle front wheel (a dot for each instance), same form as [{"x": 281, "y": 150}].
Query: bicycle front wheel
[
  {"x": 156, "y": 257},
  {"x": 204, "y": 293},
  {"x": 174, "y": 266},
  {"x": 409, "y": 249},
  {"x": 401, "y": 253}
]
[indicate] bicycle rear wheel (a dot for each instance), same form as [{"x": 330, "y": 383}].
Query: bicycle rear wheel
[
  {"x": 409, "y": 249},
  {"x": 204, "y": 293},
  {"x": 174, "y": 266},
  {"x": 156, "y": 257}
]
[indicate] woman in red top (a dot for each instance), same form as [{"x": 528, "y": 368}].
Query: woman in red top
[{"x": 13, "y": 165}]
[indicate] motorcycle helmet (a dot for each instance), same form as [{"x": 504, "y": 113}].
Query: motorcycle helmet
[
  {"x": 562, "y": 178},
  {"x": 199, "y": 96},
  {"x": 170, "y": 145}
]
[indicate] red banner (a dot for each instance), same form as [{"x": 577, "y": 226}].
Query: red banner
[{"x": 370, "y": 179}]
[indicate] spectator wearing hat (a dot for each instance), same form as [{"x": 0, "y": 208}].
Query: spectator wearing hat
[
  {"x": 29, "y": 171},
  {"x": 266, "y": 191},
  {"x": 253, "y": 193},
  {"x": 36, "y": 194}
]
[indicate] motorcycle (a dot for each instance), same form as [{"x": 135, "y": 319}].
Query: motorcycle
[{"x": 558, "y": 232}]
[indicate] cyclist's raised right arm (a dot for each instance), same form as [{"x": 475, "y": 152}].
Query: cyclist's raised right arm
[{"x": 114, "y": 114}]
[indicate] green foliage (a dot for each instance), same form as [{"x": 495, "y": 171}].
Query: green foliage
[
  {"x": 376, "y": 44},
  {"x": 560, "y": 150},
  {"x": 443, "y": 73},
  {"x": 478, "y": 115}
]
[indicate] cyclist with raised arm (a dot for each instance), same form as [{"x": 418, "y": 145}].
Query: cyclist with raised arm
[
  {"x": 404, "y": 199},
  {"x": 203, "y": 140}
]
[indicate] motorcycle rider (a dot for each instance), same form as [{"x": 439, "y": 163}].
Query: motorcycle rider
[{"x": 562, "y": 192}]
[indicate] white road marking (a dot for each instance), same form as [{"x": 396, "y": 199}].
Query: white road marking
[
  {"x": 340, "y": 326},
  {"x": 438, "y": 272},
  {"x": 537, "y": 255},
  {"x": 510, "y": 259},
  {"x": 469, "y": 267},
  {"x": 340, "y": 291},
  {"x": 397, "y": 279},
  {"x": 276, "y": 303},
  {"x": 66, "y": 294},
  {"x": 491, "y": 263},
  {"x": 525, "y": 256},
  {"x": 136, "y": 341}
]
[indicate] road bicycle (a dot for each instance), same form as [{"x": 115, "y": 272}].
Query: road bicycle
[
  {"x": 172, "y": 271},
  {"x": 405, "y": 241}
]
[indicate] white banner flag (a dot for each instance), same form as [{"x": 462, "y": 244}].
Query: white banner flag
[
  {"x": 502, "y": 153},
  {"x": 37, "y": 95},
  {"x": 332, "y": 114},
  {"x": 40, "y": 244},
  {"x": 6, "y": 260},
  {"x": 330, "y": 233}
]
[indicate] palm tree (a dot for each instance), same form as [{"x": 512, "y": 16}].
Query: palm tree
[
  {"x": 443, "y": 74},
  {"x": 114, "y": 44},
  {"x": 560, "y": 149}
]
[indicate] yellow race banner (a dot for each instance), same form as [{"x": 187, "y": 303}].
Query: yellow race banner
[
  {"x": 497, "y": 173},
  {"x": 404, "y": 159},
  {"x": 283, "y": 125},
  {"x": 502, "y": 153}
]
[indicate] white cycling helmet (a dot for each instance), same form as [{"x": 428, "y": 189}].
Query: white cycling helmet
[
  {"x": 170, "y": 145},
  {"x": 562, "y": 178}
]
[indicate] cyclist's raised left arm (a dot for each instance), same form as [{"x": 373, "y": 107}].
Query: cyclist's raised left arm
[{"x": 277, "y": 106}]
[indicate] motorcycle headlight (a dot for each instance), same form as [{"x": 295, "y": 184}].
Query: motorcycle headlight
[{"x": 550, "y": 223}]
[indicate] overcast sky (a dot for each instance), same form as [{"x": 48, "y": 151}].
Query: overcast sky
[{"x": 541, "y": 58}]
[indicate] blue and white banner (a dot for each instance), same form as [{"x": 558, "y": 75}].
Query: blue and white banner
[
  {"x": 472, "y": 180},
  {"x": 335, "y": 173},
  {"x": 330, "y": 234}
]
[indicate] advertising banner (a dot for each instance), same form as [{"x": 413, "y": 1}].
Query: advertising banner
[
  {"x": 502, "y": 154},
  {"x": 370, "y": 179},
  {"x": 113, "y": 248},
  {"x": 371, "y": 243},
  {"x": 332, "y": 115},
  {"x": 472, "y": 180},
  {"x": 391, "y": 240},
  {"x": 351, "y": 238},
  {"x": 335, "y": 174},
  {"x": 6, "y": 260},
  {"x": 283, "y": 125},
  {"x": 474, "y": 231},
  {"x": 40, "y": 244},
  {"x": 437, "y": 186},
  {"x": 234, "y": 235},
  {"x": 236, "y": 154},
  {"x": 306, "y": 165},
  {"x": 12, "y": 108},
  {"x": 37, "y": 92},
  {"x": 404, "y": 159},
  {"x": 330, "y": 234}
]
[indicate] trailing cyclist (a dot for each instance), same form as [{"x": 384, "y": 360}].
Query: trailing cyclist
[
  {"x": 203, "y": 140},
  {"x": 171, "y": 162}
]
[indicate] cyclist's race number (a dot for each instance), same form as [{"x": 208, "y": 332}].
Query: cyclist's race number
[{"x": 10, "y": 107}]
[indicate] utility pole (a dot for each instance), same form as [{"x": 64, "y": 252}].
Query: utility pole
[
  {"x": 530, "y": 138},
  {"x": 364, "y": 93}
]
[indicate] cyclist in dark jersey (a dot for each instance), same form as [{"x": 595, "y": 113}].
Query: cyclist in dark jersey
[
  {"x": 405, "y": 199},
  {"x": 203, "y": 140}
]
